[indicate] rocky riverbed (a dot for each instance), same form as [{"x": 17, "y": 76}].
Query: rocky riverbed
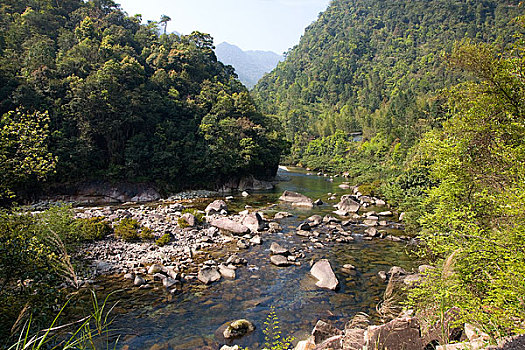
[{"x": 248, "y": 253}]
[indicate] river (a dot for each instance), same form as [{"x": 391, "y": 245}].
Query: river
[{"x": 155, "y": 320}]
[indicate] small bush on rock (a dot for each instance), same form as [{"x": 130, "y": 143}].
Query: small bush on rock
[
  {"x": 162, "y": 241},
  {"x": 92, "y": 229}
]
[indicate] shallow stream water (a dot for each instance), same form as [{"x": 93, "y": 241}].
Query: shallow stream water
[{"x": 155, "y": 320}]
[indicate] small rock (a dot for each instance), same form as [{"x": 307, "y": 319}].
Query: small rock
[
  {"x": 238, "y": 329},
  {"x": 281, "y": 215},
  {"x": 318, "y": 202},
  {"x": 226, "y": 272},
  {"x": 276, "y": 249},
  {"x": 155, "y": 268},
  {"x": 216, "y": 207},
  {"x": 245, "y": 194},
  {"x": 280, "y": 260},
  {"x": 139, "y": 281},
  {"x": 256, "y": 240},
  {"x": 209, "y": 275}
]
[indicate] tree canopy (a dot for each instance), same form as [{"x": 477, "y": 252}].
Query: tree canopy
[{"x": 125, "y": 103}]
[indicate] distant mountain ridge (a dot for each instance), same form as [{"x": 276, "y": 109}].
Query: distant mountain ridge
[{"x": 249, "y": 65}]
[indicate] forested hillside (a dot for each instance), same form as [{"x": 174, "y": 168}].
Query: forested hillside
[
  {"x": 103, "y": 96},
  {"x": 437, "y": 89},
  {"x": 376, "y": 67}
]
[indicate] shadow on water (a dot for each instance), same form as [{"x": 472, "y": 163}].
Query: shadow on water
[{"x": 154, "y": 320}]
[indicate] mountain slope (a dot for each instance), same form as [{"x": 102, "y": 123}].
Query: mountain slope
[
  {"x": 249, "y": 65},
  {"x": 373, "y": 66}
]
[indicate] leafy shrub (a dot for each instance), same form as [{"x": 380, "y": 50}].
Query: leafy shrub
[
  {"x": 198, "y": 216},
  {"x": 273, "y": 339},
  {"x": 162, "y": 241},
  {"x": 130, "y": 230},
  {"x": 182, "y": 223},
  {"x": 146, "y": 234},
  {"x": 127, "y": 230},
  {"x": 34, "y": 262},
  {"x": 92, "y": 229}
]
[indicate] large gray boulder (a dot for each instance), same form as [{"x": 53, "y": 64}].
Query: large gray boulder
[
  {"x": 347, "y": 204},
  {"x": 216, "y": 207},
  {"x": 230, "y": 225},
  {"x": 254, "y": 222},
  {"x": 322, "y": 270},
  {"x": 296, "y": 199}
]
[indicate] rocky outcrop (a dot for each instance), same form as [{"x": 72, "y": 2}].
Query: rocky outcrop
[
  {"x": 296, "y": 199},
  {"x": 101, "y": 192},
  {"x": 322, "y": 270},
  {"x": 398, "y": 334},
  {"x": 246, "y": 183}
]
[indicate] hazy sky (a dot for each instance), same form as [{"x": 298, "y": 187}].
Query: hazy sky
[{"x": 274, "y": 25}]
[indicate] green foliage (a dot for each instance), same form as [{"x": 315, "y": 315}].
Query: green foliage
[
  {"x": 473, "y": 222},
  {"x": 24, "y": 155},
  {"x": 376, "y": 67},
  {"x": 162, "y": 241},
  {"x": 273, "y": 339},
  {"x": 124, "y": 102},
  {"x": 93, "y": 229},
  {"x": 34, "y": 262},
  {"x": 130, "y": 230},
  {"x": 91, "y": 334}
]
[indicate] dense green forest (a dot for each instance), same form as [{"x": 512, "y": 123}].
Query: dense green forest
[
  {"x": 374, "y": 66},
  {"x": 437, "y": 89},
  {"x": 103, "y": 96}
]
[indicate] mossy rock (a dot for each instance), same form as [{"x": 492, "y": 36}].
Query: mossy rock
[{"x": 238, "y": 329}]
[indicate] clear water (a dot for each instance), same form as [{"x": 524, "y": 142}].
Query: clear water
[{"x": 154, "y": 320}]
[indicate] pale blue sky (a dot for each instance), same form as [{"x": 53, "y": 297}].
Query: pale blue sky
[{"x": 273, "y": 25}]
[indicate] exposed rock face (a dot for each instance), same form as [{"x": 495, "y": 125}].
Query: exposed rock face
[
  {"x": 347, "y": 204},
  {"x": 323, "y": 331},
  {"x": 238, "y": 329},
  {"x": 322, "y": 270},
  {"x": 246, "y": 183},
  {"x": 100, "y": 192},
  {"x": 398, "y": 334},
  {"x": 216, "y": 207},
  {"x": 296, "y": 199},
  {"x": 209, "y": 275},
  {"x": 230, "y": 225}
]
